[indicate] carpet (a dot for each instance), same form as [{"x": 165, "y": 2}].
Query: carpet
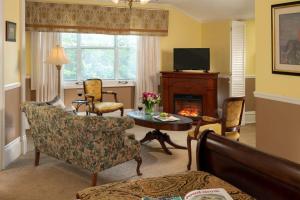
[{"x": 57, "y": 180}]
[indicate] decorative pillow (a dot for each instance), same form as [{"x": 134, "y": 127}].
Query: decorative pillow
[{"x": 57, "y": 102}]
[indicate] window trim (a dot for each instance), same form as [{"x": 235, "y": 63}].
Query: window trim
[{"x": 106, "y": 83}]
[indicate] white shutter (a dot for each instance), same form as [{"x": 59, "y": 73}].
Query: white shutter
[{"x": 237, "y": 86}]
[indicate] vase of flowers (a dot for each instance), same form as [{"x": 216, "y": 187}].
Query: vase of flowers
[{"x": 149, "y": 100}]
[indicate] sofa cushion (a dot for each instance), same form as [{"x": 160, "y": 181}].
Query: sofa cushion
[{"x": 167, "y": 186}]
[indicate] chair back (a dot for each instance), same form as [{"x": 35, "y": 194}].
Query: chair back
[
  {"x": 93, "y": 87},
  {"x": 233, "y": 109}
]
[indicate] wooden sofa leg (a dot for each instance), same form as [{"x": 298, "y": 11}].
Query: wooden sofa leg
[
  {"x": 139, "y": 161},
  {"x": 122, "y": 112},
  {"x": 189, "y": 147},
  {"x": 37, "y": 157},
  {"x": 94, "y": 179}
]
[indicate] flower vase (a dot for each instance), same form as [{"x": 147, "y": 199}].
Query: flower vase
[{"x": 148, "y": 109}]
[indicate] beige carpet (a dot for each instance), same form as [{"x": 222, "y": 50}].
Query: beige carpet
[{"x": 56, "y": 180}]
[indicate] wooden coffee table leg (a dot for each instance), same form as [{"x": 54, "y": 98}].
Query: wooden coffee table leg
[
  {"x": 170, "y": 142},
  {"x": 149, "y": 137},
  {"x": 162, "y": 139}
]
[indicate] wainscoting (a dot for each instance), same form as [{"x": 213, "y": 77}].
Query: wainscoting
[
  {"x": 277, "y": 126},
  {"x": 12, "y": 149},
  {"x": 224, "y": 90}
]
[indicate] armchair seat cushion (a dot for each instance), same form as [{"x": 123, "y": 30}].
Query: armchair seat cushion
[
  {"x": 105, "y": 107},
  {"x": 233, "y": 135},
  {"x": 209, "y": 119},
  {"x": 217, "y": 128}
]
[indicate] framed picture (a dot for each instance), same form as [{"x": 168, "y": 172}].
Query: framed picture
[
  {"x": 11, "y": 31},
  {"x": 286, "y": 38}
]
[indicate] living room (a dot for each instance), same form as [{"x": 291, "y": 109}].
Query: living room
[{"x": 236, "y": 37}]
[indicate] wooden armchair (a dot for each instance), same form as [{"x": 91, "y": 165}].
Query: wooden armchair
[
  {"x": 94, "y": 95},
  {"x": 228, "y": 125}
]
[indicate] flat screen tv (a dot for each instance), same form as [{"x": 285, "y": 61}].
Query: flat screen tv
[{"x": 191, "y": 59}]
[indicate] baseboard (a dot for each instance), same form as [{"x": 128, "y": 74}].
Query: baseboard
[
  {"x": 12, "y": 151},
  {"x": 250, "y": 117}
]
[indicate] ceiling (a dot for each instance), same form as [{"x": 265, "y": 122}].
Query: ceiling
[{"x": 207, "y": 10}]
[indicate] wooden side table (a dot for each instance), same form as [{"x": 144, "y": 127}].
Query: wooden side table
[{"x": 78, "y": 103}]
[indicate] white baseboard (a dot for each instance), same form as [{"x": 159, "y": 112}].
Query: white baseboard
[
  {"x": 250, "y": 117},
  {"x": 12, "y": 151}
]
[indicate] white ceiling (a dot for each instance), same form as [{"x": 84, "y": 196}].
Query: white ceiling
[{"x": 207, "y": 10}]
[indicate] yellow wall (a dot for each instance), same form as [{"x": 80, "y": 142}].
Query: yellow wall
[
  {"x": 184, "y": 32},
  {"x": 250, "y": 47},
  {"x": 216, "y": 36},
  {"x": 266, "y": 81},
  {"x": 12, "y": 49}
]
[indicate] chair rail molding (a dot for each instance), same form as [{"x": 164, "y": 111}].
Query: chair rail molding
[
  {"x": 12, "y": 86},
  {"x": 280, "y": 98}
]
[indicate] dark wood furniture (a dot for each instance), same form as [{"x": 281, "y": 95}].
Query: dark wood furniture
[
  {"x": 148, "y": 121},
  {"x": 190, "y": 83},
  {"x": 260, "y": 175},
  {"x": 230, "y": 129}
]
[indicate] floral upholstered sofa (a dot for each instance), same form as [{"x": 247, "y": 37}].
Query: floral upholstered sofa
[{"x": 92, "y": 142}]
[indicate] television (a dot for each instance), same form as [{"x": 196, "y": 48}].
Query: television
[{"x": 191, "y": 59}]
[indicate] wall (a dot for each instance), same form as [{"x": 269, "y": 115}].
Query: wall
[
  {"x": 12, "y": 49},
  {"x": 184, "y": 32},
  {"x": 266, "y": 81},
  {"x": 277, "y": 96},
  {"x": 250, "y": 47},
  {"x": 12, "y": 74},
  {"x": 216, "y": 36}
]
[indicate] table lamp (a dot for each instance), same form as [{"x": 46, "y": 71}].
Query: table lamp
[{"x": 57, "y": 57}]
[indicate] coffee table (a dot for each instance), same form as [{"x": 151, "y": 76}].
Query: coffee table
[{"x": 148, "y": 121}]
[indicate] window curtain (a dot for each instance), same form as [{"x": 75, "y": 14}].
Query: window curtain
[
  {"x": 43, "y": 76},
  {"x": 59, "y": 17},
  {"x": 148, "y": 67}
]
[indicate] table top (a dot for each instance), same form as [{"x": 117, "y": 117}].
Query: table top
[{"x": 149, "y": 121}]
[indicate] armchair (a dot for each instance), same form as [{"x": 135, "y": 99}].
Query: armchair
[
  {"x": 227, "y": 126},
  {"x": 94, "y": 95},
  {"x": 91, "y": 142}
]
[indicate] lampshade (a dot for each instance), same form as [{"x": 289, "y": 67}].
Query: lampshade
[
  {"x": 57, "y": 56},
  {"x": 144, "y": 1}
]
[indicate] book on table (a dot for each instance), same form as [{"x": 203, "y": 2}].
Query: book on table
[{"x": 205, "y": 194}]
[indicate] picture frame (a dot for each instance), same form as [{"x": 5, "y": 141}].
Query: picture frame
[
  {"x": 11, "y": 31},
  {"x": 286, "y": 38}
]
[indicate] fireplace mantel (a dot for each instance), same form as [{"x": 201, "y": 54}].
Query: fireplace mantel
[{"x": 190, "y": 83}]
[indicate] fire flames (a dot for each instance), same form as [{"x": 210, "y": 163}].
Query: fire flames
[{"x": 189, "y": 112}]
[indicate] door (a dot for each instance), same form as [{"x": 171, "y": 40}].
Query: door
[{"x": 237, "y": 83}]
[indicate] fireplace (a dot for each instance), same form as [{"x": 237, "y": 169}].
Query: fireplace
[
  {"x": 190, "y": 92},
  {"x": 188, "y": 105}
]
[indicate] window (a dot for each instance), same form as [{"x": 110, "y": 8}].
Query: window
[{"x": 107, "y": 57}]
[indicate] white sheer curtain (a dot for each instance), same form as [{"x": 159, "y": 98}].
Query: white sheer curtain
[
  {"x": 148, "y": 67},
  {"x": 43, "y": 76}
]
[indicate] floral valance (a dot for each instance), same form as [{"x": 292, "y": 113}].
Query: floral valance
[{"x": 55, "y": 17}]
